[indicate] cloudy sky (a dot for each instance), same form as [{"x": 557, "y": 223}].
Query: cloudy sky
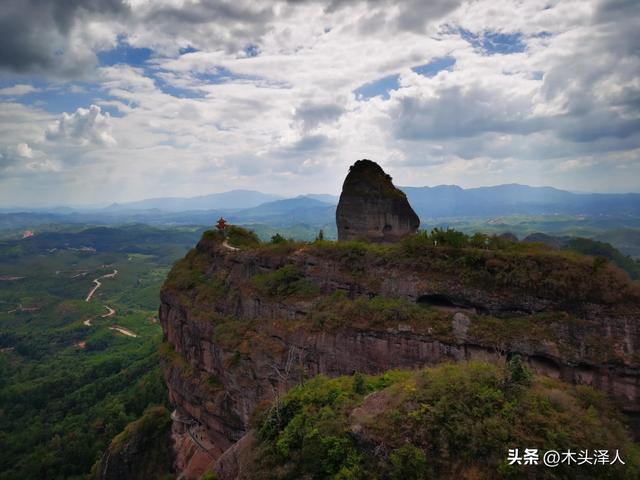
[{"x": 115, "y": 100}]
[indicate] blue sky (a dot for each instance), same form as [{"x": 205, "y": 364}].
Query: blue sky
[
  {"x": 155, "y": 99},
  {"x": 383, "y": 86}
]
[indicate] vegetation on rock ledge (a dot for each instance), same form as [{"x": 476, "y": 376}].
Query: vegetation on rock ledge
[
  {"x": 452, "y": 421},
  {"x": 141, "y": 451}
]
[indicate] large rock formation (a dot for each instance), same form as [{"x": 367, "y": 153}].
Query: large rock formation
[
  {"x": 141, "y": 451},
  {"x": 372, "y": 208},
  {"x": 242, "y": 327}
]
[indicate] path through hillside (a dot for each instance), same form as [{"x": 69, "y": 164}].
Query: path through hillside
[
  {"x": 99, "y": 284},
  {"x": 226, "y": 245},
  {"x": 122, "y": 330}
]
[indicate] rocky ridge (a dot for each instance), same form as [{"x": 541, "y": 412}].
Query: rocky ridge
[{"x": 242, "y": 327}]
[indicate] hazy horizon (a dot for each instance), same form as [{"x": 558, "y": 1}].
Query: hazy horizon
[{"x": 44, "y": 206}]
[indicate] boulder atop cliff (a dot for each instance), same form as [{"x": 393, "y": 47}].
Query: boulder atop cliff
[{"x": 372, "y": 208}]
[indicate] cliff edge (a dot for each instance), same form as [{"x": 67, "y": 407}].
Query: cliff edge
[{"x": 243, "y": 326}]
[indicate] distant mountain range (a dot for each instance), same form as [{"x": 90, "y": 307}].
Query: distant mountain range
[
  {"x": 233, "y": 199},
  {"x": 513, "y": 199},
  {"x": 250, "y": 206},
  {"x": 299, "y": 209}
]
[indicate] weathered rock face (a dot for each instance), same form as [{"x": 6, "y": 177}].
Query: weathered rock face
[
  {"x": 224, "y": 369},
  {"x": 371, "y": 208},
  {"x": 142, "y": 451}
]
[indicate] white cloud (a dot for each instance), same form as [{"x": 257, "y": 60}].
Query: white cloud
[
  {"x": 18, "y": 90},
  {"x": 562, "y": 110},
  {"x": 20, "y": 159},
  {"x": 83, "y": 127}
]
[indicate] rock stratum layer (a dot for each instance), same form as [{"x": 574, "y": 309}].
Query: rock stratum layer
[
  {"x": 371, "y": 208},
  {"x": 242, "y": 327}
]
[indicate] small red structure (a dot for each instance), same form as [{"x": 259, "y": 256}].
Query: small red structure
[{"x": 221, "y": 224}]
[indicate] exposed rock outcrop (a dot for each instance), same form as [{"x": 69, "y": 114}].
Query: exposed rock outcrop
[
  {"x": 372, "y": 208},
  {"x": 142, "y": 451},
  {"x": 242, "y": 327}
]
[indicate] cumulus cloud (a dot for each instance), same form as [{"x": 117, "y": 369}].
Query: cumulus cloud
[
  {"x": 309, "y": 115},
  {"x": 18, "y": 90},
  {"x": 20, "y": 159},
  {"x": 55, "y": 37},
  {"x": 83, "y": 127}
]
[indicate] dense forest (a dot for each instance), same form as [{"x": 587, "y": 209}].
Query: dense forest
[{"x": 70, "y": 382}]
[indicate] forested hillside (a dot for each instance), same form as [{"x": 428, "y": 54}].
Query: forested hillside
[{"x": 74, "y": 373}]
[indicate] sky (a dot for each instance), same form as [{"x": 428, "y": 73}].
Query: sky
[{"x": 120, "y": 100}]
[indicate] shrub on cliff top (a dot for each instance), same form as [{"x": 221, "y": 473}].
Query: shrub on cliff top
[
  {"x": 338, "y": 311},
  {"x": 241, "y": 237},
  {"x": 452, "y": 421},
  {"x": 284, "y": 282},
  {"x": 534, "y": 269}
]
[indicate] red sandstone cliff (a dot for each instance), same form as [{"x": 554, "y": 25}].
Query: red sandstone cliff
[{"x": 236, "y": 338}]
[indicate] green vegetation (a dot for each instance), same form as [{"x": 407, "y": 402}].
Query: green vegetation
[
  {"x": 287, "y": 281},
  {"x": 164, "y": 244},
  {"x": 606, "y": 252},
  {"x": 301, "y": 231},
  {"x": 277, "y": 238},
  {"x": 168, "y": 354},
  {"x": 366, "y": 178},
  {"x": 143, "y": 449},
  {"x": 498, "y": 265},
  {"x": 605, "y": 228},
  {"x": 67, "y": 388},
  {"x": 452, "y": 421},
  {"x": 338, "y": 311},
  {"x": 454, "y": 238},
  {"x": 577, "y": 272},
  {"x": 238, "y": 237},
  {"x": 627, "y": 240},
  {"x": 241, "y": 237}
]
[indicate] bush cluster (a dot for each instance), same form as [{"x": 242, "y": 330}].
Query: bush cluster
[
  {"x": 452, "y": 421},
  {"x": 287, "y": 281}
]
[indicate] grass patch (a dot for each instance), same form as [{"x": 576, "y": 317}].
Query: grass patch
[
  {"x": 168, "y": 354},
  {"x": 339, "y": 311},
  {"x": 241, "y": 237},
  {"x": 287, "y": 281}
]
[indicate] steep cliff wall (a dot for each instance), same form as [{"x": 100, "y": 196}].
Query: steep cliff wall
[{"x": 241, "y": 327}]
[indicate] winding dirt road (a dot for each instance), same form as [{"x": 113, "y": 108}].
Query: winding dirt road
[
  {"x": 110, "y": 311},
  {"x": 99, "y": 284},
  {"x": 124, "y": 331}
]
